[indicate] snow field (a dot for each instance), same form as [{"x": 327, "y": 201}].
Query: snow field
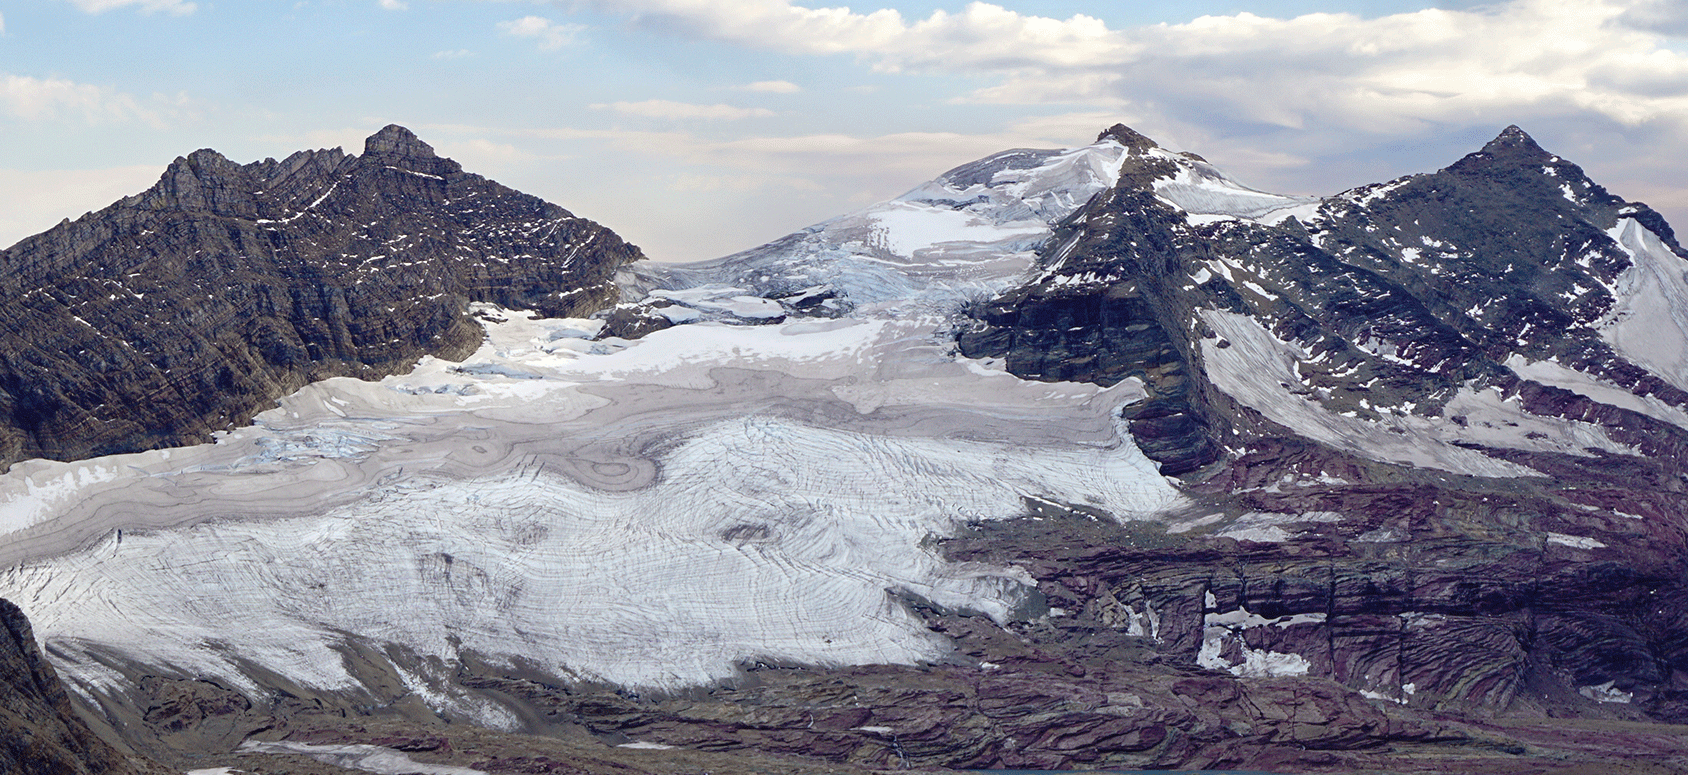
[{"x": 645, "y": 514}]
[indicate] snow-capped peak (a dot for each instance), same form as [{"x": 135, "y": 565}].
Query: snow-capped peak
[
  {"x": 1206, "y": 193},
  {"x": 968, "y": 233}
]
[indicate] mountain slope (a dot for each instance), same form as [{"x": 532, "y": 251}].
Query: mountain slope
[
  {"x": 972, "y": 231},
  {"x": 1386, "y": 311},
  {"x": 188, "y": 308},
  {"x": 1081, "y": 458},
  {"x": 1445, "y": 376}
]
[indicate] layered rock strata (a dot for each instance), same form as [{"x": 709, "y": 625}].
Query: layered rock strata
[{"x": 189, "y": 307}]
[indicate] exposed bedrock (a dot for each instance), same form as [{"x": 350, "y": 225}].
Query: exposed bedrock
[
  {"x": 1487, "y": 599},
  {"x": 1349, "y": 363},
  {"x": 1389, "y": 300},
  {"x": 1438, "y": 624},
  {"x": 1104, "y": 319},
  {"x": 40, "y": 732},
  {"x": 189, "y": 307}
]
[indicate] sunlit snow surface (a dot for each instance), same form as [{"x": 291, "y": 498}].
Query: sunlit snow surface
[
  {"x": 368, "y": 758},
  {"x": 971, "y": 232},
  {"x": 1206, "y": 194},
  {"x": 1649, "y": 324},
  {"x": 647, "y": 513},
  {"x": 1256, "y": 368}
]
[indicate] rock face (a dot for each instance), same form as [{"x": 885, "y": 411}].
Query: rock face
[
  {"x": 1329, "y": 369},
  {"x": 1394, "y": 299},
  {"x": 189, "y": 307},
  {"x": 40, "y": 733}
]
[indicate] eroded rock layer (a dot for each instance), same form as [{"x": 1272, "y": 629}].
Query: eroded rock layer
[{"x": 189, "y": 307}]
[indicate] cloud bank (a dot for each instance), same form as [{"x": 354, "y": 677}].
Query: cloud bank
[{"x": 1391, "y": 74}]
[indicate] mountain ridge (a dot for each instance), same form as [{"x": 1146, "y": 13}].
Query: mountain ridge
[{"x": 321, "y": 264}]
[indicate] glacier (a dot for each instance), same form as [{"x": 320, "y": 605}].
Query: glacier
[{"x": 650, "y": 513}]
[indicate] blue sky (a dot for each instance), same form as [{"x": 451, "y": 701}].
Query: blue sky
[{"x": 697, "y": 128}]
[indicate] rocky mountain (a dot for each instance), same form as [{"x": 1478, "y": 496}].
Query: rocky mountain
[
  {"x": 1066, "y": 459},
  {"x": 1508, "y": 271},
  {"x": 190, "y": 307}
]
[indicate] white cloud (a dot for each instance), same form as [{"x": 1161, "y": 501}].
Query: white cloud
[
  {"x": 2, "y": 23},
  {"x": 881, "y": 166},
  {"x": 1666, "y": 16},
  {"x": 739, "y": 183},
  {"x": 772, "y": 87},
  {"x": 1389, "y": 74},
  {"x": 177, "y": 7},
  {"x": 460, "y": 53},
  {"x": 479, "y": 153},
  {"x": 667, "y": 109},
  {"x": 348, "y": 139},
  {"x": 393, "y": 5},
  {"x": 982, "y": 34},
  {"x": 550, "y": 34},
  {"x": 38, "y": 99}
]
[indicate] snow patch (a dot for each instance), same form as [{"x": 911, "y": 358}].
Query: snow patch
[
  {"x": 1649, "y": 323},
  {"x": 368, "y": 758},
  {"x": 1254, "y": 369},
  {"x": 1606, "y": 692},
  {"x": 1587, "y": 385},
  {"x": 1267, "y": 527},
  {"x": 1208, "y": 195},
  {"x": 1575, "y": 542}
]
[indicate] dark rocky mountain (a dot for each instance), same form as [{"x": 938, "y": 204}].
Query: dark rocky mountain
[
  {"x": 1402, "y": 293},
  {"x": 1450, "y": 451},
  {"x": 190, "y": 307},
  {"x": 40, "y": 732}
]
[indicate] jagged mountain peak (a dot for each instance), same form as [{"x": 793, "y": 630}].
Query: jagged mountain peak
[
  {"x": 1513, "y": 136},
  {"x": 398, "y": 141},
  {"x": 1127, "y": 137},
  {"x": 204, "y": 158},
  {"x": 1433, "y": 462},
  {"x": 225, "y": 286},
  {"x": 1512, "y": 149},
  {"x": 1399, "y": 297}
]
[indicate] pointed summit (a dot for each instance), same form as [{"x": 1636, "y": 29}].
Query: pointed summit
[
  {"x": 1512, "y": 140},
  {"x": 1512, "y": 148},
  {"x": 398, "y": 141},
  {"x": 1127, "y": 137}
]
